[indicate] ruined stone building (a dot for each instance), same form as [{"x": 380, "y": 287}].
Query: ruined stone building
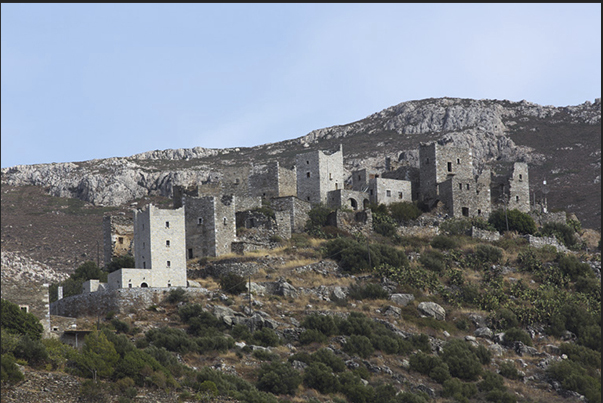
[
  {"x": 447, "y": 174},
  {"x": 381, "y": 190},
  {"x": 210, "y": 225},
  {"x": 512, "y": 188},
  {"x": 118, "y": 236}
]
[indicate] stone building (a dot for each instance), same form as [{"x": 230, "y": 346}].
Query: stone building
[
  {"x": 159, "y": 252},
  {"x": 512, "y": 187},
  {"x": 382, "y": 190},
  {"x": 118, "y": 236},
  {"x": 447, "y": 174},
  {"x": 351, "y": 199},
  {"x": 319, "y": 173},
  {"x": 210, "y": 223},
  {"x": 295, "y": 208},
  {"x": 32, "y": 298}
]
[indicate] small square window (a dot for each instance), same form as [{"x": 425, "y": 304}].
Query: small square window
[
  {"x": 167, "y": 243},
  {"x": 388, "y": 193},
  {"x": 120, "y": 240},
  {"x": 168, "y": 263},
  {"x": 460, "y": 186},
  {"x": 307, "y": 174},
  {"x": 199, "y": 220},
  {"x": 167, "y": 224}
]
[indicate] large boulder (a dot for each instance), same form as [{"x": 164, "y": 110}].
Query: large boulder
[
  {"x": 402, "y": 299},
  {"x": 432, "y": 309}
]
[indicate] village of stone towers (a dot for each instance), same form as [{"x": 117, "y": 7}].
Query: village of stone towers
[{"x": 439, "y": 250}]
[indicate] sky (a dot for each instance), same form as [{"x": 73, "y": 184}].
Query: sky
[{"x": 88, "y": 81}]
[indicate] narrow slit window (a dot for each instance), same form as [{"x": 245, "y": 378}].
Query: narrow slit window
[
  {"x": 167, "y": 243},
  {"x": 168, "y": 263},
  {"x": 167, "y": 224}
]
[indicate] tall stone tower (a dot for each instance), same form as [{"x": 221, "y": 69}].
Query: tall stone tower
[
  {"x": 210, "y": 225},
  {"x": 318, "y": 174},
  {"x": 159, "y": 245}
]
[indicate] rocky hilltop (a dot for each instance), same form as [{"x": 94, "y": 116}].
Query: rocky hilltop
[{"x": 561, "y": 144}]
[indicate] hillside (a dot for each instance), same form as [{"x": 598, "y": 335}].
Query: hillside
[
  {"x": 334, "y": 316},
  {"x": 560, "y": 144}
]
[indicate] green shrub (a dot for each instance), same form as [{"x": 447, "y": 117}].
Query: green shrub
[
  {"x": 320, "y": 377},
  {"x": 240, "y": 332},
  {"x": 278, "y": 378},
  {"x": 462, "y": 360},
  {"x": 91, "y": 391},
  {"x": 433, "y": 260},
  {"x": 404, "y": 211},
  {"x": 587, "y": 357},
  {"x": 120, "y": 326},
  {"x": 491, "y": 381},
  {"x": 353, "y": 256},
  {"x": 10, "y": 373},
  {"x": 31, "y": 350},
  {"x": 523, "y": 223},
  {"x": 488, "y": 253},
  {"x": 15, "y": 320},
  {"x": 265, "y": 355},
  {"x": 504, "y": 319},
  {"x": 500, "y": 396},
  {"x": 120, "y": 262},
  {"x": 317, "y": 217},
  {"x": 360, "y": 345},
  {"x": 455, "y": 226},
  {"x": 509, "y": 371},
  {"x": 444, "y": 242},
  {"x": 266, "y": 337},
  {"x": 327, "y": 357},
  {"x": 325, "y": 324},
  {"x": 515, "y": 334},
  {"x": 570, "y": 265},
  {"x": 563, "y": 232},
  {"x": 309, "y": 336},
  {"x": 171, "y": 339},
  {"x": 424, "y": 363},
  {"x": 385, "y": 228},
  {"x": 458, "y": 390},
  {"x": 233, "y": 283},
  {"x": 368, "y": 291},
  {"x": 177, "y": 295}
]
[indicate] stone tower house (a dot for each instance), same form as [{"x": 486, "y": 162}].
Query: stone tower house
[
  {"x": 513, "y": 188},
  {"x": 210, "y": 225},
  {"x": 318, "y": 174},
  {"x": 447, "y": 175},
  {"x": 159, "y": 254}
]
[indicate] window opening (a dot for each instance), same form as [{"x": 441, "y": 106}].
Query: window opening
[
  {"x": 465, "y": 211},
  {"x": 167, "y": 243},
  {"x": 450, "y": 167},
  {"x": 168, "y": 263},
  {"x": 388, "y": 193},
  {"x": 120, "y": 240},
  {"x": 167, "y": 224},
  {"x": 199, "y": 221}
]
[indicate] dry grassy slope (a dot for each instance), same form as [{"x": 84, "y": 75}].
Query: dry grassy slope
[{"x": 59, "y": 232}]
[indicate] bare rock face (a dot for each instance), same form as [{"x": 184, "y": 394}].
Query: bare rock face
[
  {"x": 432, "y": 309},
  {"x": 21, "y": 269}
]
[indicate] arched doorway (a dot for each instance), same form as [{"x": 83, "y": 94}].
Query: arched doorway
[
  {"x": 144, "y": 285},
  {"x": 354, "y": 204}
]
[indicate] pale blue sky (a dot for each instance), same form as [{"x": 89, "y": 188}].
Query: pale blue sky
[{"x": 85, "y": 81}]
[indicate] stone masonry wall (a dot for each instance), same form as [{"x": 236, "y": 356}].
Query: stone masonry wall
[
  {"x": 33, "y": 297},
  {"x": 298, "y": 210},
  {"x": 123, "y": 300}
]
